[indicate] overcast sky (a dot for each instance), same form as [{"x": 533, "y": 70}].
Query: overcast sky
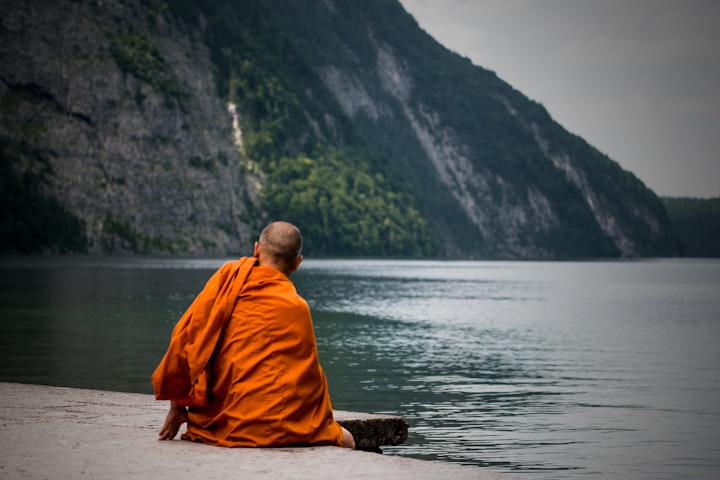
[{"x": 637, "y": 79}]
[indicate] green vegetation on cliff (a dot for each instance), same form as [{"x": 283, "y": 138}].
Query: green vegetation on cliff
[
  {"x": 486, "y": 151},
  {"x": 135, "y": 53},
  {"x": 319, "y": 172},
  {"x": 343, "y": 209},
  {"x": 697, "y": 225},
  {"x": 352, "y": 122},
  {"x": 32, "y": 220}
]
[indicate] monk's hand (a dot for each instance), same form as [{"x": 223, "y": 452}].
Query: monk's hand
[{"x": 173, "y": 421}]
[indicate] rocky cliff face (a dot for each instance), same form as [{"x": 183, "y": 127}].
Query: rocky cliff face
[
  {"x": 521, "y": 185},
  {"x": 121, "y": 105},
  {"x": 112, "y": 109}
]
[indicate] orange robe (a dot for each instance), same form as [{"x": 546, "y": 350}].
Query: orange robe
[{"x": 252, "y": 379}]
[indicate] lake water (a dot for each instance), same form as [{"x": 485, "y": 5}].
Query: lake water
[{"x": 543, "y": 369}]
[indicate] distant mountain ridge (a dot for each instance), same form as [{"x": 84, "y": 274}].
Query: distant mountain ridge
[
  {"x": 345, "y": 117},
  {"x": 696, "y": 223}
]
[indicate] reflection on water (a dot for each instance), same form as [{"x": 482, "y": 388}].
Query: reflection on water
[
  {"x": 544, "y": 369},
  {"x": 91, "y": 323},
  {"x": 547, "y": 370}
]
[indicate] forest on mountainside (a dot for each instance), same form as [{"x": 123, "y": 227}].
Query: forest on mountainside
[
  {"x": 696, "y": 222},
  {"x": 351, "y": 122},
  {"x": 327, "y": 179}
]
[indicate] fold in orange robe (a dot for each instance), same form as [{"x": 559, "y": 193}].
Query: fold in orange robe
[{"x": 264, "y": 383}]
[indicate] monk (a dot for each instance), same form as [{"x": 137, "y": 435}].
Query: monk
[{"x": 242, "y": 368}]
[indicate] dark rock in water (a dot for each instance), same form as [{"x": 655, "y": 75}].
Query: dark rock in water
[{"x": 373, "y": 431}]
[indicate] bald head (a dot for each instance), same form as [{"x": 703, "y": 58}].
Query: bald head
[{"x": 279, "y": 246}]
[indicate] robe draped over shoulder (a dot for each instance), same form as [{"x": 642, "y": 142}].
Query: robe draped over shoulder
[
  {"x": 263, "y": 383},
  {"x": 182, "y": 375}
]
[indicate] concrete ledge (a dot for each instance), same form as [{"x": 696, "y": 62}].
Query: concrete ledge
[{"x": 66, "y": 433}]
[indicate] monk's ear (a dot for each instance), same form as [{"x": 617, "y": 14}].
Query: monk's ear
[
  {"x": 256, "y": 250},
  {"x": 297, "y": 263}
]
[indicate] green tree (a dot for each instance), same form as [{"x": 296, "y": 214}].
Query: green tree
[{"x": 344, "y": 210}]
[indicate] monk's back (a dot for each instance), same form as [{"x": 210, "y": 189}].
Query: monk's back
[{"x": 267, "y": 387}]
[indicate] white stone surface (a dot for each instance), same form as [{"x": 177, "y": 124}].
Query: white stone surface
[{"x": 65, "y": 433}]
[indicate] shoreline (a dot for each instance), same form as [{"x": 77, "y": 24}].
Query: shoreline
[{"x": 64, "y": 433}]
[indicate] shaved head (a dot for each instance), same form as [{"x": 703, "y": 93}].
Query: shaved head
[{"x": 282, "y": 242}]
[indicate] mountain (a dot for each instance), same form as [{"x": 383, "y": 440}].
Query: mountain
[
  {"x": 696, "y": 222},
  {"x": 182, "y": 127}
]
